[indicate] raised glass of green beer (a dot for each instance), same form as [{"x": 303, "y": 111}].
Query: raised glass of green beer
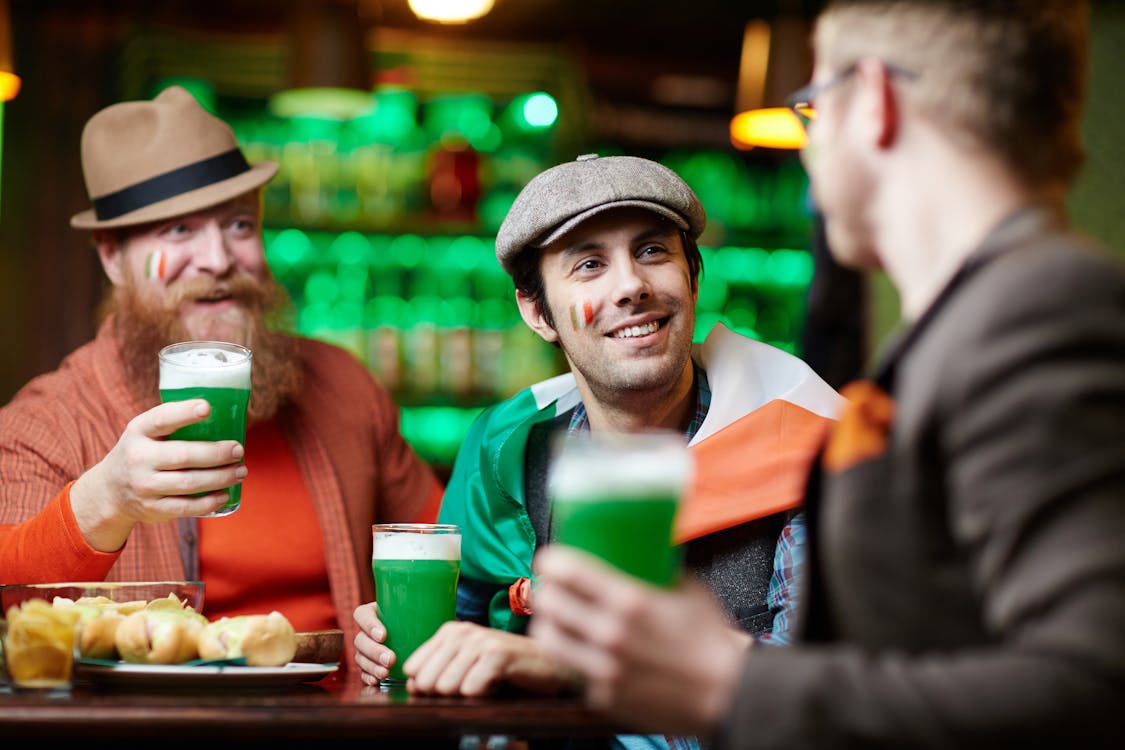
[
  {"x": 416, "y": 567},
  {"x": 616, "y": 495},
  {"x": 220, "y": 373}
]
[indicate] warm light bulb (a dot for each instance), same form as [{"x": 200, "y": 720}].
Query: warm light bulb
[
  {"x": 772, "y": 127},
  {"x": 9, "y": 85},
  {"x": 450, "y": 11}
]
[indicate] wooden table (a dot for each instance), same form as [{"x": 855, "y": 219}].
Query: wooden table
[{"x": 338, "y": 707}]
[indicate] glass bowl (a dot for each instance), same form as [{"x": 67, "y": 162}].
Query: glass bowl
[{"x": 188, "y": 592}]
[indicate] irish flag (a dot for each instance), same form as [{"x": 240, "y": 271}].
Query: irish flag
[{"x": 155, "y": 265}]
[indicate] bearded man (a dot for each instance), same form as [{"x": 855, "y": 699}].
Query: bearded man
[{"x": 93, "y": 489}]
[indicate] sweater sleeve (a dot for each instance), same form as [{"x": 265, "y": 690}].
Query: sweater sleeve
[{"x": 50, "y": 547}]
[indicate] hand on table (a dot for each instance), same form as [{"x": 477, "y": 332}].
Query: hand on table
[
  {"x": 661, "y": 660},
  {"x": 462, "y": 658},
  {"x": 146, "y": 478}
]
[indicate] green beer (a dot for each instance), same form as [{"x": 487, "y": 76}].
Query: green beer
[
  {"x": 416, "y": 567},
  {"x": 616, "y": 496},
  {"x": 220, "y": 373},
  {"x": 634, "y": 535}
]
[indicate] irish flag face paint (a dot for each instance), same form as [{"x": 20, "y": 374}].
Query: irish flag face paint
[
  {"x": 581, "y": 314},
  {"x": 156, "y": 266}
]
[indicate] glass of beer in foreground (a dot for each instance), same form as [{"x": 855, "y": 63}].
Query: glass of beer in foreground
[
  {"x": 616, "y": 495},
  {"x": 416, "y": 567},
  {"x": 220, "y": 373}
]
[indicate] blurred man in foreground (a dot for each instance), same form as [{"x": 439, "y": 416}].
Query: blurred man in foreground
[
  {"x": 966, "y": 574},
  {"x": 92, "y": 489}
]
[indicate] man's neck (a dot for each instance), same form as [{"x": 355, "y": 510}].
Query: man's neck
[
  {"x": 632, "y": 411},
  {"x": 935, "y": 214}
]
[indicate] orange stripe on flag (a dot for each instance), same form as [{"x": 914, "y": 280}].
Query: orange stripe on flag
[{"x": 750, "y": 469}]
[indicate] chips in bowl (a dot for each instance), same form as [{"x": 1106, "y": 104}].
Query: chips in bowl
[{"x": 125, "y": 596}]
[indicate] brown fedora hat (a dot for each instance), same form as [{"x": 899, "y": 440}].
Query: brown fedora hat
[{"x": 151, "y": 160}]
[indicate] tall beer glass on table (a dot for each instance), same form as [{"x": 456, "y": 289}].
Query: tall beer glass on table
[
  {"x": 220, "y": 373},
  {"x": 416, "y": 568}
]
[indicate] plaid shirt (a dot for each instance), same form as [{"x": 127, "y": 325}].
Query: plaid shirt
[
  {"x": 580, "y": 420},
  {"x": 785, "y": 582}
]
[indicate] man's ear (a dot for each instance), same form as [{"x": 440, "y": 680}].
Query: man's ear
[
  {"x": 881, "y": 99},
  {"x": 111, "y": 254},
  {"x": 533, "y": 316}
]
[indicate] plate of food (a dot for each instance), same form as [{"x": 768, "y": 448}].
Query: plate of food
[
  {"x": 197, "y": 676},
  {"x": 122, "y": 638}
]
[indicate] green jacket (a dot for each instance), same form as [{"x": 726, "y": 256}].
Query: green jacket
[{"x": 767, "y": 414}]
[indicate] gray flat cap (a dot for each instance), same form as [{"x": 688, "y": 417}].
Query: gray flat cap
[{"x": 560, "y": 198}]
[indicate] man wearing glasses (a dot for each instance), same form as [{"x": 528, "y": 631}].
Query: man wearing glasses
[{"x": 966, "y": 574}]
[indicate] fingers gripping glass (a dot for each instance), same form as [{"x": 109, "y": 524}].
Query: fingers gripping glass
[{"x": 802, "y": 100}]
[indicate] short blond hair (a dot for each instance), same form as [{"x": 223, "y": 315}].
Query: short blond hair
[{"x": 1006, "y": 75}]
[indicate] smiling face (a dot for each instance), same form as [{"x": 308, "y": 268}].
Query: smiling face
[
  {"x": 199, "y": 276},
  {"x": 200, "y": 268},
  {"x": 622, "y": 299}
]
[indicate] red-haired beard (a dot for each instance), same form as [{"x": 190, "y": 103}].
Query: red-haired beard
[{"x": 143, "y": 328}]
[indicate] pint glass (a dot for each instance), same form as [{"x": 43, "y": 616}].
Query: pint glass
[
  {"x": 220, "y": 373},
  {"x": 416, "y": 567},
  {"x": 616, "y": 495}
]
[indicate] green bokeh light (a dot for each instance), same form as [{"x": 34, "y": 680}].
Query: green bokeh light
[
  {"x": 287, "y": 248},
  {"x": 436, "y": 432},
  {"x": 350, "y": 248},
  {"x": 393, "y": 120},
  {"x": 409, "y": 249},
  {"x": 321, "y": 288},
  {"x": 540, "y": 110},
  {"x": 386, "y": 310},
  {"x": 790, "y": 268},
  {"x": 466, "y": 115}
]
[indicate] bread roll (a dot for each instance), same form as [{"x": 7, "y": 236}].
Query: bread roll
[
  {"x": 159, "y": 636},
  {"x": 97, "y": 638},
  {"x": 98, "y": 626},
  {"x": 265, "y": 640}
]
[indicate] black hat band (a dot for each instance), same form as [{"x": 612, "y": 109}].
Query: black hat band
[{"x": 170, "y": 184}]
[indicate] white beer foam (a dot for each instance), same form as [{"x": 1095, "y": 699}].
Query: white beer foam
[
  {"x": 581, "y": 475},
  {"x": 402, "y": 545},
  {"x": 205, "y": 367}
]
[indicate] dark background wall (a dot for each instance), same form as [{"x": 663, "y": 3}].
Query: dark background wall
[{"x": 68, "y": 51}]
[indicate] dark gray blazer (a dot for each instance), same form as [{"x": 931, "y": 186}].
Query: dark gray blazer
[{"x": 967, "y": 588}]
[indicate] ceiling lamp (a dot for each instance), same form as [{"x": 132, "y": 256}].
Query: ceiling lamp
[
  {"x": 329, "y": 72},
  {"x": 775, "y": 62},
  {"x": 9, "y": 81},
  {"x": 767, "y": 127},
  {"x": 450, "y": 11}
]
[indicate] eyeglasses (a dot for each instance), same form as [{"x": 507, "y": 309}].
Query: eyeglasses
[{"x": 801, "y": 100}]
